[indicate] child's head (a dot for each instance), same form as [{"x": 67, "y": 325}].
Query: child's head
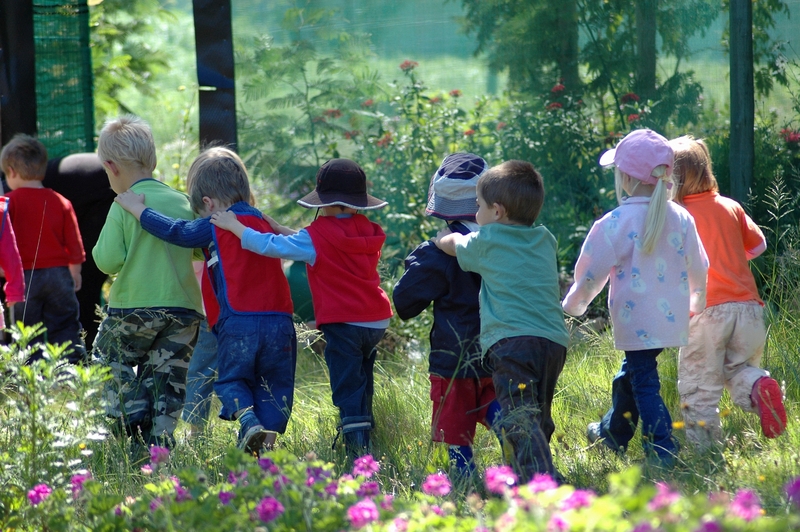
[
  {"x": 644, "y": 157},
  {"x": 26, "y": 155},
  {"x": 217, "y": 173},
  {"x": 515, "y": 185},
  {"x": 693, "y": 173},
  {"x": 342, "y": 183},
  {"x": 452, "y": 192},
  {"x": 127, "y": 141}
]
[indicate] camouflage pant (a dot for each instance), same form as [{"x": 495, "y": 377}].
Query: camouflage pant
[{"x": 148, "y": 352}]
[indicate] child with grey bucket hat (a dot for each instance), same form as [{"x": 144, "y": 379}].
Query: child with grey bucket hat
[
  {"x": 341, "y": 248},
  {"x": 461, "y": 385}
]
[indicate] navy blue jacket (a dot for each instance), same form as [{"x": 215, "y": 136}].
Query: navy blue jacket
[{"x": 432, "y": 276}]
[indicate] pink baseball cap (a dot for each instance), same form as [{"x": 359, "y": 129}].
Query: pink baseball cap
[{"x": 639, "y": 153}]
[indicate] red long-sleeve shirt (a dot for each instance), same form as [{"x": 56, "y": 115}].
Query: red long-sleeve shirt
[{"x": 46, "y": 228}]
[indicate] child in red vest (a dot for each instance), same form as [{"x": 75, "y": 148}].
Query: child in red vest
[
  {"x": 252, "y": 317},
  {"x": 10, "y": 262},
  {"x": 342, "y": 249}
]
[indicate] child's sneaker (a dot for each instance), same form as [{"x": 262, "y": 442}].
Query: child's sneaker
[
  {"x": 768, "y": 400},
  {"x": 251, "y": 433}
]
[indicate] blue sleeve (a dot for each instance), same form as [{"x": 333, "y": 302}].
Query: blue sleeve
[
  {"x": 424, "y": 281},
  {"x": 183, "y": 233},
  {"x": 293, "y": 247}
]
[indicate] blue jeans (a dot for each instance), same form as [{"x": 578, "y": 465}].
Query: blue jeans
[
  {"x": 635, "y": 394},
  {"x": 257, "y": 357},
  {"x": 350, "y": 356},
  {"x": 201, "y": 377},
  {"x": 51, "y": 300}
]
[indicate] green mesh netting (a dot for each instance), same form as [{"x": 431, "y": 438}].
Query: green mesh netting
[{"x": 65, "y": 111}]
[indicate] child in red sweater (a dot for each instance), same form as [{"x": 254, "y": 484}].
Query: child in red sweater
[
  {"x": 49, "y": 243},
  {"x": 10, "y": 262}
]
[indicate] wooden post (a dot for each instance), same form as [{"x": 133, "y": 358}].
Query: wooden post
[
  {"x": 17, "y": 69},
  {"x": 742, "y": 152}
]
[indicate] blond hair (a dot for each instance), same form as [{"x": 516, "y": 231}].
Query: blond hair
[
  {"x": 517, "y": 186},
  {"x": 26, "y": 155},
  {"x": 656, "y": 211},
  {"x": 128, "y": 141},
  {"x": 218, "y": 173},
  {"x": 693, "y": 173}
]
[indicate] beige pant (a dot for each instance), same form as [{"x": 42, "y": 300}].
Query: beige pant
[{"x": 726, "y": 343}]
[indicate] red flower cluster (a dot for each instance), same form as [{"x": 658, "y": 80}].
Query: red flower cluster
[
  {"x": 633, "y": 117},
  {"x": 552, "y": 106},
  {"x": 469, "y": 132},
  {"x": 790, "y": 136},
  {"x": 630, "y": 97},
  {"x": 557, "y": 88},
  {"x": 368, "y": 103},
  {"x": 333, "y": 113},
  {"x": 435, "y": 100},
  {"x": 408, "y": 66},
  {"x": 385, "y": 140},
  {"x": 351, "y": 134},
  {"x": 455, "y": 93}
]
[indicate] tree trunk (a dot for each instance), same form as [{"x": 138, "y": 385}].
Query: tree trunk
[
  {"x": 742, "y": 152},
  {"x": 568, "y": 43},
  {"x": 646, "y": 47}
]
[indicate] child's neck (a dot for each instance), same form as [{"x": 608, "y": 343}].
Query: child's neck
[
  {"x": 336, "y": 210},
  {"x": 28, "y": 183}
]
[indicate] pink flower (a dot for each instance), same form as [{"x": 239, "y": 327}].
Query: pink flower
[
  {"x": 368, "y": 489},
  {"x": 633, "y": 117},
  {"x": 234, "y": 477},
  {"x": 182, "y": 494},
  {"x": 225, "y": 497},
  {"x": 629, "y": 97},
  {"x": 269, "y": 509},
  {"x": 437, "y": 510},
  {"x": 268, "y": 465},
  {"x": 408, "y": 66},
  {"x": 147, "y": 469},
  {"x": 39, "y": 493},
  {"x": 400, "y": 524},
  {"x": 77, "y": 483},
  {"x": 790, "y": 136},
  {"x": 332, "y": 488},
  {"x": 436, "y": 484},
  {"x": 664, "y": 496},
  {"x": 362, "y": 513},
  {"x": 557, "y": 524},
  {"x": 643, "y": 527},
  {"x": 501, "y": 125},
  {"x": 366, "y": 466},
  {"x": 159, "y": 455},
  {"x": 542, "y": 482},
  {"x": 469, "y": 132},
  {"x": 455, "y": 93},
  {"x": 499, "y": 478},
  {"x": 386, "y": 503},
  {"x": 557, "y": 88},
  {"x": 279, "y": 483},
  {"x": 552, "y": 106},
  {"x": 709, "y": 526},
  {"x": 745, "y": 504},
  {"x": 155, "y": 504},
  {"x": 577, "y": 499},
  {"x": 792, "y": 489}
]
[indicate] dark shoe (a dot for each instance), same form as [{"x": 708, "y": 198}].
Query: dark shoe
[
  {"x": 768, "y": 400},
  {"x": 251, "y": 433},
  {"x": 595, "y": 436}
]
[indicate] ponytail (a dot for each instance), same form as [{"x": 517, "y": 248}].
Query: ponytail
[{"x": 656, "y": 212}]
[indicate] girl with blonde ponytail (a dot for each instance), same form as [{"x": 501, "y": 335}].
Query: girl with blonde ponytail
[{"x": 649, "y": 251}]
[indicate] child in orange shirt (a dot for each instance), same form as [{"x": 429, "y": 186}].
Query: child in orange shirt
[{"x": 727, "y": 339}]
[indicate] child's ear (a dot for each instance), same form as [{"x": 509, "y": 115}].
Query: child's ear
[
  {"x": 499, "y": 211},
  {"x": 209, "y": 203}
]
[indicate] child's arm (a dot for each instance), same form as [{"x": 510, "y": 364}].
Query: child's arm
[
  {"x": 11, "y": 264},
  {"x": 75, "y": 272},
  {"x": 297, "y": 246},
  {"x": 278, "y": 228},
  {"x": 754, "y": 241},
  {"x": 591, "y": 272},
  {"x": 183, "y": 233},
  {"x": 696, "y": 270},
  {"x": 423, "y": 282},
  {"x": 132, "y": 202},
  {"x": 446, "y": 241}
]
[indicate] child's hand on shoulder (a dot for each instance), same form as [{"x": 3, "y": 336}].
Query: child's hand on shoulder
[
  {"x": 278, "y": 228},
  {"x": 224, "y": 220},
  {"x": 446, "y": 241},
  {"x": 131, "y": 202}
]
